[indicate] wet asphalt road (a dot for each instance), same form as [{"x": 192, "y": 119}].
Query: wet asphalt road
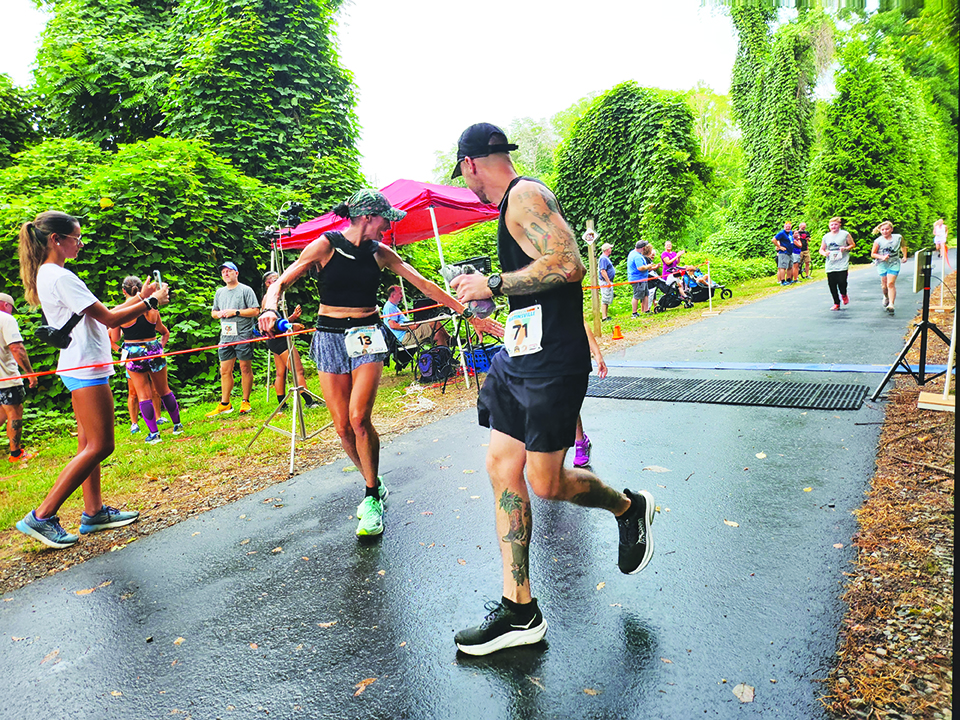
[{"x": 269, "y": 607}]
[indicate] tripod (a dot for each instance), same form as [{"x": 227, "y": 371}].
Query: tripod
[
  {"x": 298, "y": 427},
  {"x": 921, "y": 330}
]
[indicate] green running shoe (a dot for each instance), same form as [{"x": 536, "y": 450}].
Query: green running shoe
[
  {"x": 370, "y": 513},
  {"x": 383, "y": 497}
]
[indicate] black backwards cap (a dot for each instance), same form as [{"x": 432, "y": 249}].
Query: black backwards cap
[{"x": 474, "y": 142}]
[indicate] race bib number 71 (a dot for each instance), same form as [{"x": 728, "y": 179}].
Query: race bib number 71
[{"x": 523, "y": 331}]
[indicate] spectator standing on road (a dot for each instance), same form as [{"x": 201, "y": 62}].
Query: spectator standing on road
[
  {"x": 534, "y": 389},
  {"x": 235, "y": 306},
  {"x": 835, "y": 247},
  {"x": 409, "y": 335},
  {"x": 803, "y": 237},
  {"x": 889, "y": 251},
  {"x": 785, "y": 245},
  {"x": 45, "y": 246},
  {"x": 349, "y": 347},
  {"x": 607, "y": 273},
  {"x": 638, "y": 271},
  {"x": 148, "y": 373},
  {"x": 13, "y": 358}
]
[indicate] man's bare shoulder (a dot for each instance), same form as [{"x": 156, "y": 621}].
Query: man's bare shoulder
[{"x": 532, "y": 195}]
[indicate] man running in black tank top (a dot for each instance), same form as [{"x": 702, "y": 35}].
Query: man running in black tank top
[{"x": 533, "y": 392}]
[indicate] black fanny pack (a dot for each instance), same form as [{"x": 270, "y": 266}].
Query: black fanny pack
[{"x": 58, "y": 337}]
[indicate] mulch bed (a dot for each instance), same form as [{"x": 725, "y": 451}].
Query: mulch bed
[{"x": 895, "y": 657}]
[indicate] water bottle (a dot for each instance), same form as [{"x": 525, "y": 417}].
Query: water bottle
[
  {"x": 281, "y": 326},
  {"x": 480, "y": 308}
]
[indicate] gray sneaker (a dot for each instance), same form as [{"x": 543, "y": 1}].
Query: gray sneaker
[
  {"x": 47, "y": 531},
  {"x": 107, "y": 518}
]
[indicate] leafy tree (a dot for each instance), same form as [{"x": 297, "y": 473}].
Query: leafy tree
[
  {"x": 161, "y": 204},
  {"x": 880, "y": 157},
  {"x": 261, "y": 81},
  {"x": 16, "y": 120},
  {"x": 719, "y": 141},
  {"x": 772, "y": 92},
  {"x": 631, "y": 162},
  {"x": 103, "y": 69}
]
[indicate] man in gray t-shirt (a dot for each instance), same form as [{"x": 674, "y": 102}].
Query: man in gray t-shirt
[{"x": 235, "y": 306}]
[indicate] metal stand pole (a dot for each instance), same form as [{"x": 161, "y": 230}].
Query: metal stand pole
[
  {"x": 298, "y": 427},
  {"x": 921, "y": 330}
]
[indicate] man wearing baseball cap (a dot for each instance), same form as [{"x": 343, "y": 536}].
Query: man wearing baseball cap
[
  {"x": 532, "y": 395},
  {"x": 235, "y": 305},
  {"x": 12, "y": 355}
]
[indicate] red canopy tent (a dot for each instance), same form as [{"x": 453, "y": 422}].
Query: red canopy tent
[{"x": 432, "y": 211}]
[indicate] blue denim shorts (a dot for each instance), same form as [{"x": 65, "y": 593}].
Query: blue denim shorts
[{"x": 329, "y": 349}]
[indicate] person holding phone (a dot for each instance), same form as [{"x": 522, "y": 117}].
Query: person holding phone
[
  {"x": 142, "y": 341},
  {"x": 85, "y": 367}
]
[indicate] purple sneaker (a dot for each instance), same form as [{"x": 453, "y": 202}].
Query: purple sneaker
[{"x": 581, "y": 457}]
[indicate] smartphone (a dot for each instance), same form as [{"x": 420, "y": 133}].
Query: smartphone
[{"x": 156, "y": 276}]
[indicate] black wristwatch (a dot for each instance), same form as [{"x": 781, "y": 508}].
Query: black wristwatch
[
  {"x": 151, "y": 302},
  {"x": 495, "y": 283},
  {"x": 237, "y": 314}
]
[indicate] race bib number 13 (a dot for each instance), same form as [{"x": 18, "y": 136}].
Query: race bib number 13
[
  {"x": 523, "y": 331},
  {"x": 364, "y": 341}
]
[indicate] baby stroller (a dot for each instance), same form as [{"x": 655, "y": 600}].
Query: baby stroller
[
  {"x": 701, "y": 293},
  {"x": 667, "y": 296}
]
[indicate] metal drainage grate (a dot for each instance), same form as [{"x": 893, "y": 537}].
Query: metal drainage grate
[{"x": 809, "y": 396}]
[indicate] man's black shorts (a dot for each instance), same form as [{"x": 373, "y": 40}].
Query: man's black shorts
[{"x": 539, "y": 412}]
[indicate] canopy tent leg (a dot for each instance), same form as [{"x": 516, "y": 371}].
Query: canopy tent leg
[{"x": 436, "y": 235}]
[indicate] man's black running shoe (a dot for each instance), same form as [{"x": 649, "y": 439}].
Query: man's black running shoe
[
  {"x": 502, "y": 628},
  {"x": 636, "y": 541}
]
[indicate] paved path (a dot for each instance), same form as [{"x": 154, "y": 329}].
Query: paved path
[{"x": 270, "y": 607}]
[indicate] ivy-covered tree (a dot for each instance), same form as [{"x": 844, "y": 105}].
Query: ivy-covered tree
[
  {"x": 17, "y": 117},
  {"x": 261, "y": 81},
  {"x": 772, "y": 94},
  {"x": 631, "y": 162},
  {"x": 103, "y": 69},
  {"x": 880, "y": 155}
]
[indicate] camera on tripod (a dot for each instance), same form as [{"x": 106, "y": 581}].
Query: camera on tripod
[
  {"x": 269, "y": 233},
  {"x": 291, "y": 214}
]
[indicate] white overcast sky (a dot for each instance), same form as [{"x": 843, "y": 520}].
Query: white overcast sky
[{"x": 425, "y": 69}]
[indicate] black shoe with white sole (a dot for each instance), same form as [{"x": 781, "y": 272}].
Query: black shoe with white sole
[
  {"x": 502, "y": 628},
  {"x": 636, "y": 541}
]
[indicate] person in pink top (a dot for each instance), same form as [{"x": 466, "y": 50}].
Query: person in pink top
[{"x": 670, "y": 258}]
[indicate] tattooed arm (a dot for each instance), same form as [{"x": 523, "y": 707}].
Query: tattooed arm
[
  {"x": 534, "y": 219},
  {"x": 19, "y": 353}
]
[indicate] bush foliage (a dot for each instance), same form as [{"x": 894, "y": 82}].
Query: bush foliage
[{"x": 160, "y": 204}]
